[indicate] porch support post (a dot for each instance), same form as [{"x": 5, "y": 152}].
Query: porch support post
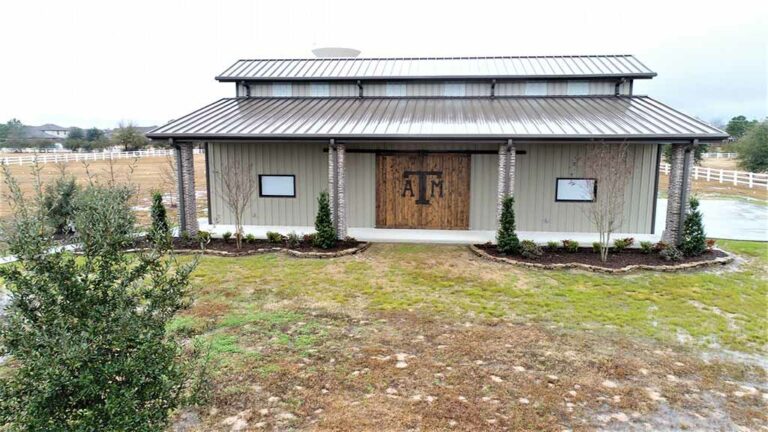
[
  {"x": 681, "y": 160},
  {"x": 180, "y": 188},
  {"x": 187, "y": 189},
  {"x": 510, "y": 184},
  {"x": 341, "y": 193},
  {"x": 332, "y": 185},
  {"x": 502, "y": 188}
]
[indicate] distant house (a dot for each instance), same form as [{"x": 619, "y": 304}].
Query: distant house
[
  {"x": 53, "y": 130},
  {"x": 427, "y": 148}
]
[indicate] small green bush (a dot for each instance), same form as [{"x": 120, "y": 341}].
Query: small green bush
[
  {"x": 185, "y": 237},
  {"x": 250, "y": 238},
  {"x": 160, "y": 232},
  {"x": 571, "y": 245},
  {"x": 292, "y": 240},
  {"x": 203, "y": 237},
  {"x": 310, "y": 238},
  {"x": 694, "y": 239},
  {"x": 506, "y": 238},
  {"x": 621, "y": 244},
  {"x": 646, "y": 247},
  {"x": 553, "y": 246},
  {"x": 596, "y": 247},
  {"x": 660, "y": 246},
  {"x": 58, "y": 202},
  {"x": 226, "y": 236},
  {"x": 325, "y": 238},
  {"x": 529, "y": 249},
  {"x": 274, "y": 237},
  {"x": 671, "y": 253}
]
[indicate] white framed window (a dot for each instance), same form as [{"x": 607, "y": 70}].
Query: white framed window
[
  {"x": 536, "y": 88},
  {"x": 395, "y": 89},
  {"x": 578, "y": 88},
  {"x": 282, "y": 89},
  {"x": 277, "y": 186},
  {"x": 454, "y": 89},
  {"x": 319, "y": 90},
  {"x": 575, "y": 189}
]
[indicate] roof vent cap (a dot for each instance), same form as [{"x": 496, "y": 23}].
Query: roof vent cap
[{"x": 335, "y": 52}]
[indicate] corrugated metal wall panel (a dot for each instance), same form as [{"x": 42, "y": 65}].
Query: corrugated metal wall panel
[{"x": 536, "y": 173}]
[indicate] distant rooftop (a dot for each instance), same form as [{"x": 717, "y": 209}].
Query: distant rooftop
[{"x": 511, "y": 67}]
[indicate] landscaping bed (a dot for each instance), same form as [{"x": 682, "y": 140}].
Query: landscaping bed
[
  {"x": 217, "y": 246},
  {"x": 587, "y": 258}
]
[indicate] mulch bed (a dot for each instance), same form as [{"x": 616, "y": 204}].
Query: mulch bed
[
  {"x": 219, "y": 245},
  {"x": 616, "y": 260}
]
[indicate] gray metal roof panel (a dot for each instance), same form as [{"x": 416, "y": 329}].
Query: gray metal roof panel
[
  {"x": 541, "y": 117},
  {"x": 345, "y": 68}
]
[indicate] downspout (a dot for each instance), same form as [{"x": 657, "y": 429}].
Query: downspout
[
  {"x": 685, "y": 185},
  {"x": 493, "y": 88},
  {"x": 247, "y": 88},
  {"x": 617, "y": 87},
  {"x": 359, "y": 88},
  {"x": 180, "y": 182}
]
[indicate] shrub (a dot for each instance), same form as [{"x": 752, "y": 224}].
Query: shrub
[
  {"x": 621, "y": 244},
  {"x": 711, "y": 244},
  {"x": 274, "y": 237},
  {"x": 571, "y": 245},
  {"x": 529, "y": 249},
  {"x": 671, "y": 253},
  {"x": 185, "y": 237},
  {"x": 694, "y": 239},
  {"x": 553, "y": 245},
  {"x": 250, "y": 238},
  {"x": 203, "y": 237},
  {"x": 506, "y": 238},
  {"x": 309, "y": 238},
  {"x": 160, "y": 232},
  {"x": 87, "y": 333},
  {"x": 58, "y": 203},
  {"x": 660, "y": 246},
  {"x": 227, "y": 236},
  {"x": 292, "y": 240},
  {"x": 596, "y": 247},
  {"x": 646, "y": 247},
  {"x": 325, "y": 238}
]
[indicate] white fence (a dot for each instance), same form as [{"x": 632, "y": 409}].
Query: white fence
[
  {"x": 719, "y": 155},
  {"x": 78, "y": 157},
  {"x": 749, "y": 179}
]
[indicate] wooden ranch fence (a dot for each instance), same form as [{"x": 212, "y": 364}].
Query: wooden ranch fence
[{"x": 78, "y": 157}]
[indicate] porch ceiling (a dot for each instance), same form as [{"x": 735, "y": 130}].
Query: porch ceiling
[{"x": 536, "y": 118}]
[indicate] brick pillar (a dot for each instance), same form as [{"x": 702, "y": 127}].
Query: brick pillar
[
  {"x": 341, "y": 193},
  {"x": 681, "y": 162},
  {"x": 332, "y": 180},
  {"x": 510, "y": 186},
  {"x": 187, "y": 190},
  {"x": 502, "y": 189}
]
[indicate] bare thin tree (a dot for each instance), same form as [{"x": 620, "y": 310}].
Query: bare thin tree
[
  {"x": 610, "y": 166},
  {"x": 238, "y": 184}
]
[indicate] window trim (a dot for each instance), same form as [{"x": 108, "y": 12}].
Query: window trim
[
  {"x": 261, "y": 186},
  {"x": 557, "y": 187}
]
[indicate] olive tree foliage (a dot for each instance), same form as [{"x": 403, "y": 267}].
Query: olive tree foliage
[
  {"x": 85, "y": 335},
  {"x": 609, "y": 164},
  {"x": 59, "y": 201},
  {"x": 238, "y": 183}
]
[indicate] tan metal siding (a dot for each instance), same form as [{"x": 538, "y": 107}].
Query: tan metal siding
[
  {"x": 306, "y": 161},
  {"x": 536, "y": 172}
]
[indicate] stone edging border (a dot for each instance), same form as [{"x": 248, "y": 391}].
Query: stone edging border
[
  {"x": 729, "y": 258},
  {"x": 297, "y": 254}
]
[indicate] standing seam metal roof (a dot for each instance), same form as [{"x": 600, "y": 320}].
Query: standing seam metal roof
[
  {"x": 544, "y": 117},
  {"x": 345, "y": 68}
]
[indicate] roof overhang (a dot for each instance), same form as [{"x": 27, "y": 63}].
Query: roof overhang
[{"x": 619, "y": 118}]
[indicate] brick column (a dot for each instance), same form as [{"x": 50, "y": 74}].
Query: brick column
[
  {"x": 341, "y": 193},
  {"x": 502, "y": 188},
  {"x": 681, "y": 162},
  {"x": 510, "y": 186},
  {"x": 332, "y": 180},
  {"x": 188, "y": 203}
]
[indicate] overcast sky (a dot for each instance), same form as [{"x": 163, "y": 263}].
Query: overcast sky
[{"x": 96, "y": 63}]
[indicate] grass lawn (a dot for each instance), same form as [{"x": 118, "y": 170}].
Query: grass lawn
[{"x": 432, "y": 338}]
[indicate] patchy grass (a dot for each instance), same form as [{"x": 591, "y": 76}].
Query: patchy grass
[{"x": 432, "y": 338}]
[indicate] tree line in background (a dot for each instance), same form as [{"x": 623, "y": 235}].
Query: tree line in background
[{"x": 14, "y": 134}]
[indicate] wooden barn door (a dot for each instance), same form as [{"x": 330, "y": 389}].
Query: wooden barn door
[{"x": 428, "y": 191}]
